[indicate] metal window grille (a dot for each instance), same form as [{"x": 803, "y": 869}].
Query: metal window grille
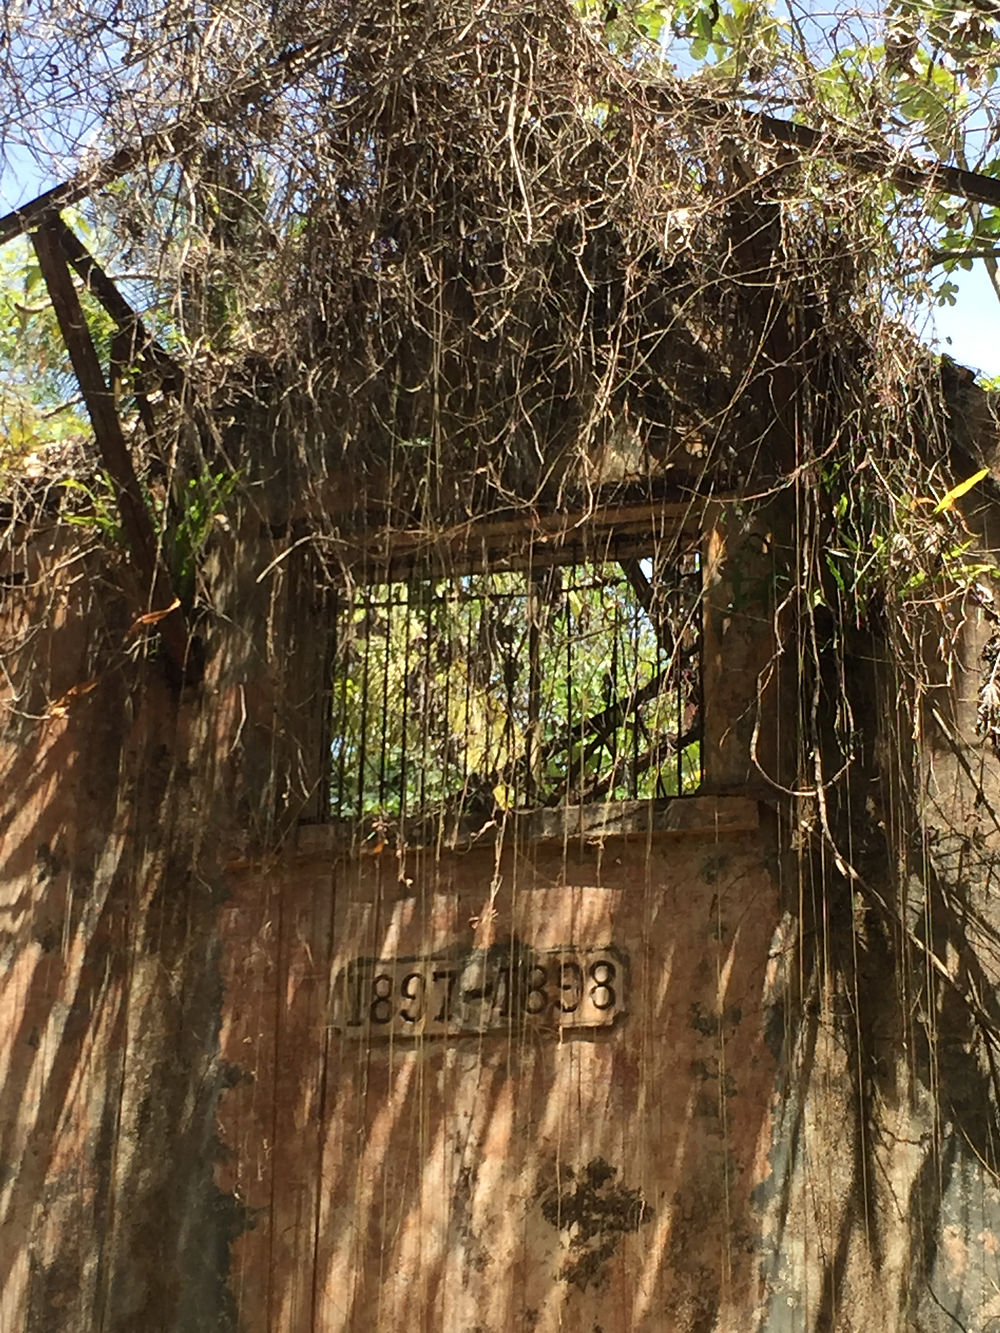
[{"x": 519, "y": 689}]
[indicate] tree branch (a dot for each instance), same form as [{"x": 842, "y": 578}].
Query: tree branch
[
  {"x": 166, "y": 144},
  {"x": 942, "y": 256}
]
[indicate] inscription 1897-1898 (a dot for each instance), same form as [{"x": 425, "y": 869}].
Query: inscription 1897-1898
[{"x": 484, "y": 990}]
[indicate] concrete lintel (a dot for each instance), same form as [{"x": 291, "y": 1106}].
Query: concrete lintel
[{"x": 687, "y": 815}]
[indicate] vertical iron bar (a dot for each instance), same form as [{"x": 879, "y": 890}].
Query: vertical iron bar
[
  {"x": 568, "y": 731},
  {"x": 327, "y": 686},
  {"x": 510, "y": 676},
  {"x": 635, "y": 687},
  {"x": 363, "y": 719},
  {"x": 532, "y": 746},
  {"x": 614, "y": 730},
  {"x": 406, "y": 701},
  {"x": 580, "y": 779},
  {"x": 340, "y": 721},
  {"x": 680, "y": 617},
  {"x": 426, "y": 608},
  {"x": 699, "y": 698},
  {"x": 385, "y": 738},
  {"x": 468, "y": 685},
  {"x": 450, "y": 617},
  {"x": 666, "y": 650}
]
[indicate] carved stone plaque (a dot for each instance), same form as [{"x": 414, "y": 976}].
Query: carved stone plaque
[{"x": 484, "y": 990}]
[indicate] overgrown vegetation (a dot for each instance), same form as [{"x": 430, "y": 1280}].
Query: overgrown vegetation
[
  {"x": 454, "y": 262},
  {"x": 492, "y": 692}
]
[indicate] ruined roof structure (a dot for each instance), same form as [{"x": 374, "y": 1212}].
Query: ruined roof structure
[{"x": 500, "y": 723}]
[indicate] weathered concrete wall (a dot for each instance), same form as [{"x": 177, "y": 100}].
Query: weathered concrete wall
[
  {"x": 526, "y": 1176},
  {"x": 749, "y": 1146},
  {"x": 790, "y": 1125},
  {"x": 120, "y": 800}
]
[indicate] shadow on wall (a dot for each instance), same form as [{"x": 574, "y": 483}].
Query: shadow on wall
[
  {"x": 783, "y": 1129},
  {"x": 526, "y": 1178},
  {"x": 751, "y": 1145},
  {"x": 108, "y": 1211},
  {"x": 882, "y": 1208}
]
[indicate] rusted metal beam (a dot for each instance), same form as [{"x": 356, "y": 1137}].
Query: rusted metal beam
[
  {"x": 137, "y": 343},
  {"x": 880, "y": 159},
  {"x": 874, "y": 155},
  {"x": 136, "y": 526},
  {"x": 96, "y": 279}
]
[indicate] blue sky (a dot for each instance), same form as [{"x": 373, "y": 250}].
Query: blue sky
[{"x": 969, "y": 331}]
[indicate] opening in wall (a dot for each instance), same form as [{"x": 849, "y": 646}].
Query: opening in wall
[{"x": 571, "y": 682}]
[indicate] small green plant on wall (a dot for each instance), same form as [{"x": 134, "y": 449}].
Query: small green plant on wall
[
  {"x": 183, "y": 521},
  {"x": 197, "y": 505}
]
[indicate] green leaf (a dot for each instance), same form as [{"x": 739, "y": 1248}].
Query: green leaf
[
  {"x": 704, "y": 25},
  {"x": 835, "y": 573},
  {"x": 649, "y": 19}
]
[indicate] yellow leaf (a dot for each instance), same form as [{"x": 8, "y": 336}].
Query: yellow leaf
[
  {"x": 154, "y": 617},
  {"x": 503, "y": 796},
  {"x": 61, "y": 706},
  {"x": 958, "y": 491}
]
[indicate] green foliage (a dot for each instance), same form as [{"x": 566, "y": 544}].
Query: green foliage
[
  {"x": 494, "y": 689},
  {"x": 185, "y": 525},
  {"x": 100, "y": 514},
  {"x": 896, "y": 550},
  {"x": 182, "y": 522},
  {"x": 39, "y": 407},
  {"x": 918, "y": 78},
  {"x": 38, "y": 392}
]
